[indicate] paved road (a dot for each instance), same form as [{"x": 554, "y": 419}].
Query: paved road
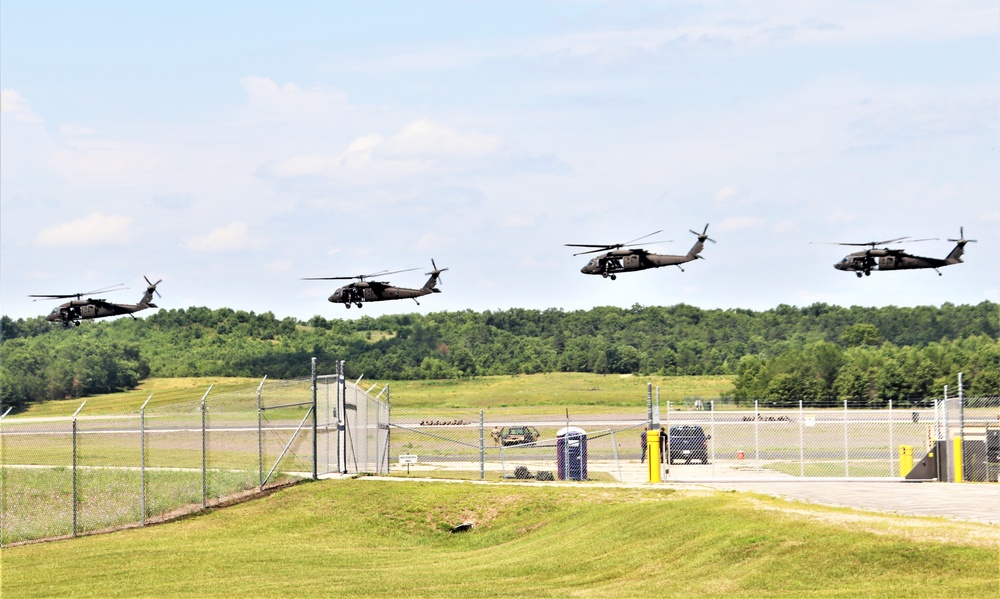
[{"x": 977, "y": 502}]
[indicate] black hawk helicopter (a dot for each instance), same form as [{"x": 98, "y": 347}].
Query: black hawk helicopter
[
  {"x": 883, "y": 258},
  {"x": 363, "y": 290},
  {"x": 624, "y": 258},
  {"x": 79, "y": 309}
]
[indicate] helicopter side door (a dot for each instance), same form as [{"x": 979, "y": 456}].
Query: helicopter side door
[
  {"x": 631, "y": 262},
  {"x": 88, "y": 311},
  {"x": 888, "y": 263}
]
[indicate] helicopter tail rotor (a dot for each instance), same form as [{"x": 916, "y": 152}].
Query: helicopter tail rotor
[
  {"x": 703, "y": 236},
  {"x": 961, "y": 237},
  {"x": 435, "y": 275},
  {"x": 152, "y": 286}
]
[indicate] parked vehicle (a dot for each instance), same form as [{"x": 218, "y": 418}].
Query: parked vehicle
[
  {"x": 517, "y": 435},
  {"x": 688, "y": 443}
]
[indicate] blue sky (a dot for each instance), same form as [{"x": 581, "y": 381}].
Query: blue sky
[{"x": 233, "y": 148}]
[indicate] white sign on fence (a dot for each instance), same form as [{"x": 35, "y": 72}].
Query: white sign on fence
[
  {"x": 407, "y": 459},
  {"x": 810, "y": 420}
]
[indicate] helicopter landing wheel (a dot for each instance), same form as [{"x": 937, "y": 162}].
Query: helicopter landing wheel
[
  {"x": 613, "y": 277},
  {"x": 859, "y": 274},
  {"x": 868, "y": 273},
  {"x": 359, "y": 305},
  {"x": 348, "y": 305}
]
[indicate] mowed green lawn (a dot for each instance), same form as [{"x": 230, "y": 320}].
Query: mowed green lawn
[
  {"x": 555, "y": 389},
  {"x": 527, "y": 392},
  {"x": 370, "y": 538}
]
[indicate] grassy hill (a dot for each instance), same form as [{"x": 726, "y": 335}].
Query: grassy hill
[{"x": 366, "y": 538}]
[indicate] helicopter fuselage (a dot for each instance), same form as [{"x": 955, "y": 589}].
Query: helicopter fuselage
[
  {"x": 618, "y": 261},
  {"x": 359, "y": 292},
  {"x": 76, "y": 310},
  {"x": 864, "y": 262},
  {"x": 355, "y": 294}
]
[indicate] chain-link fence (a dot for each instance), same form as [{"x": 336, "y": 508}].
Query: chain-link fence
[
  {"x": 835, "y": 442},
  {"x": 506, "y": 444},
  {"x": 63, "y": 476}
]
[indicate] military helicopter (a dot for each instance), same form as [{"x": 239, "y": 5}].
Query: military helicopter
[
  {"x": 79, "y": 309},
  {"x": 882, "y": 258},
  {"x": 621, "y": 257},
  {"x": 363, "y": 290}
]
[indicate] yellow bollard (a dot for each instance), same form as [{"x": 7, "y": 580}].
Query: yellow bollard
[
  {"x": 959, "y": 474},
  {"x": 653, "y": 453},
  {"x": 905, "y": 459}
]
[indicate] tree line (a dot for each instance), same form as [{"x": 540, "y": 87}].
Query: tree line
[{"x": 815, "y": 353}]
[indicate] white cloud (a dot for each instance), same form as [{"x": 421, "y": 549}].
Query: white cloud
[
  {"x": 95, "y": 230},
  {"x": 14, "y": 104},
  {"x": 291, "y": 102},
  {"x": 421, "y": 146},
  {"x": 427, "y": 140},
  {"x": 233, "y": 237}
]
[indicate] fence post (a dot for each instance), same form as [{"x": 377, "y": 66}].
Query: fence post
[
  {"x": 482, "y": 448},
  {"x": 649, "y": 406},
  {"x": 961, "y": 427},
  {"x": 669, "y": 461},
  {"x": 712, "y": 406},
  {"x": 142, "y": 455},
  {"x": 388, "y": 427},
  {"x": 260, "y": 433},
  {"x": 75, "y": 494},
  {"x": 756, "y": 435},
  {"x": 802, "y": 445},
  {"x": 315, "y": 424},
  {"x": 341, "y": 419},
  {"x": 847, "y": 468},
  {"x": 204, "y": 451},
  {"x": 3, "y": 488},
  {"x": 892, "y": 465}
]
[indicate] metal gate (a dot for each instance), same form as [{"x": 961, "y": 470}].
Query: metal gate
[{"x": 353, "y": 426}]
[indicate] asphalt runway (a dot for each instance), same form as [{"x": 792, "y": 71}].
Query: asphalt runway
[{"x": 975, "y": 502}]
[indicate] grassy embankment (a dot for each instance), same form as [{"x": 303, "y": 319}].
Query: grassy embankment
[
  {"x": 362, "y": 538},
  {"x": 535, "y": 392}
]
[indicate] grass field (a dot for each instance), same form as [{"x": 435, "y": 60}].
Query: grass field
[
  {"x": 525, "y": 392},
  {"x": 165, "y": 392},
  {"x": 365, "y": 538},
  {"x": 554, "y": 389}
]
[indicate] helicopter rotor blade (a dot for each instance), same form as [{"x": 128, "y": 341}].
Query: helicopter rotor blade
[
  {"x": 628, "y": 245},
  {"x": 117, "y": 287},
  {"x": 600, "y": 249},
  {"x": 358, "y": 277},
  {"x": 868, "y": 244},
  {"x": 638, "y": 238}
]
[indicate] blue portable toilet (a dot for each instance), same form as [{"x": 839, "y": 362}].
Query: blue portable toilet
[{"x": 571, "y": 453}]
